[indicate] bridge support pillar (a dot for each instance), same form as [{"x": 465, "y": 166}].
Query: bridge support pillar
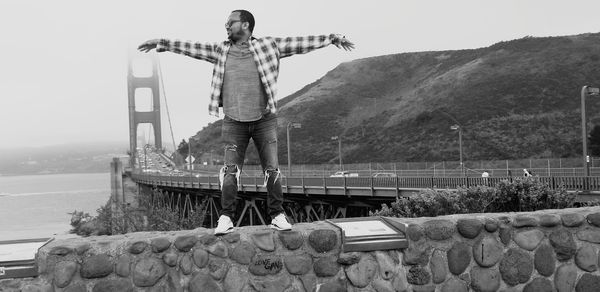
[
  {"x": 341, "y": 211},
  {"x": 310, "y": 211},
  {"x": 250, "y": 206},
  {"x": 117, "y": 195},
  {"x": 143, "y": 117},
  {"x": 212, "y": 210}
]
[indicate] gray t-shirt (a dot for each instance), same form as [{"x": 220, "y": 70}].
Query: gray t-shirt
[{"x": 244, "y": 97}]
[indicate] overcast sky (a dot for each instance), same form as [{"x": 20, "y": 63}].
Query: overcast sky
[{"x": 63, "y": 64}]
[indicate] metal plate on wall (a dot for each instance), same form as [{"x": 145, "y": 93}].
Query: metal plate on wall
[
  {"x": 370, "y": 233},
  {"x": 17, "y": 257}
]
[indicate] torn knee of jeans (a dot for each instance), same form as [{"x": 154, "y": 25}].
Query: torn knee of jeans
[
  {"x": 270, "y": 172},
  {"x": 231, "y": 147},
  {"x": 230, "y": 169}
]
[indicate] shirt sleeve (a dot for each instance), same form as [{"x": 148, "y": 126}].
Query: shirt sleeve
[
  {"x": 300, "y": 45},
  {"x": 201, "y": 51}
]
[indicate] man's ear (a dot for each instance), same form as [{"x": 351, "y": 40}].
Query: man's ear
[{"x": 245, "y": 25}]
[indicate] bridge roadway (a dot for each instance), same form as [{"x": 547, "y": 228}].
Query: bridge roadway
[
  {"x": 386, "y": 188},
  {"x": 319, "y": 198}
]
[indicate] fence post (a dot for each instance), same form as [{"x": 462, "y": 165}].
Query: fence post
[
  {"x": 397, "y": 190},
  {"x": 303, "y": 189}
]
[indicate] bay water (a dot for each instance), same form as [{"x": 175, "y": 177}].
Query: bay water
[{"x": 37, "y": 206}]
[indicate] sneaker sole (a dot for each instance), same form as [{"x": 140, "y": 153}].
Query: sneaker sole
[
  {"x": 224, "y": 232},
  {"x": 279, "y": 228}
]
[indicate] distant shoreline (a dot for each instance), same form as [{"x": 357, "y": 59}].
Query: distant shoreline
[{"x": 51, "y": 173}]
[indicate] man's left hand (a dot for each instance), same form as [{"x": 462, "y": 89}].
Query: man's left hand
[{"x": 343, "y": 42}]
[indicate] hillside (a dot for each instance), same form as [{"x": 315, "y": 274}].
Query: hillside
[{"x": 514, "y": 99}]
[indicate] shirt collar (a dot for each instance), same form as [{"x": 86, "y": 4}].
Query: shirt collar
[{"x": 249, "y": 41}]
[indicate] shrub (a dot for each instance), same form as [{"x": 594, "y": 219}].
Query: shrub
[
  {"x": 157, "y": 215},
  {"x": 520, "y": 194},
  {"x": 84, "y": 224}
]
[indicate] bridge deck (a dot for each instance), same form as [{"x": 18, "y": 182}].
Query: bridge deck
[{"x": 374, "y": 187}]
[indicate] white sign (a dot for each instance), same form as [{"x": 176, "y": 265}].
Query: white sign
[
  {"x": 2, "y": 271},
  {"x": 365, "y": 228},
  {"x": 190, "y": 158}
]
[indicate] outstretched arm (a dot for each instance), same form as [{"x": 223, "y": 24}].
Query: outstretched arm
[
  {"x": 301, "y": 45},
  {"x": 202, "y": 51}
]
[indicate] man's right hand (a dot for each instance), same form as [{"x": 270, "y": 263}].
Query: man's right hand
[{"x": 147, "y": 46}]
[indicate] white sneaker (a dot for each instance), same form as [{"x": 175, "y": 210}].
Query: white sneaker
[
  {"x": 280, "y": 223},
  {"x": 224, "y": 225}
]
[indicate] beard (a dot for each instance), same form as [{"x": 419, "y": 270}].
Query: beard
[{"x": 235, "y": 36}]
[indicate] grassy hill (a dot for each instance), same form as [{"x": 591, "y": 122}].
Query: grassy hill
[{"x": 514, "y": 99}]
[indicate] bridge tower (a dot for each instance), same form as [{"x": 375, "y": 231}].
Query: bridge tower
[{"x": 139, "y": 117}]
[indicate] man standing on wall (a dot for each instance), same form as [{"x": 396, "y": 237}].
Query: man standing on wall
[{"x": 244, "y": 83}]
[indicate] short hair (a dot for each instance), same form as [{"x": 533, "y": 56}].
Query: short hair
[{"x": 246, "y": 16}]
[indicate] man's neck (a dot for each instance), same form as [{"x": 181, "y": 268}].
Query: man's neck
[{"x": 242, "y": 40}]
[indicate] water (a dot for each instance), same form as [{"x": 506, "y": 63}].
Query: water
[{"x": 36, "y": 206}]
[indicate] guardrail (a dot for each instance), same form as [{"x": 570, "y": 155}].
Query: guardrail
[
  {"x": 367, "y": 186},
  {"x": 252, "y": 170}
]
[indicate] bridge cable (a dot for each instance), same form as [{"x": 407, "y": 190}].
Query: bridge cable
[{"x": 162, "y": 87}]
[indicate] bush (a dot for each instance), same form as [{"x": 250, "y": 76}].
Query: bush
[
  {"x": 84, "y": 224},
  {"x": 520, "y": 194},
  {"x": 150, "y": 216}
]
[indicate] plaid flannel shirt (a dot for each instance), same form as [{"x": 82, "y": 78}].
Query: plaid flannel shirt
[{"x": 267, "y": 52}]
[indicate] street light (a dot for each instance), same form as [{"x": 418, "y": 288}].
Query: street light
[
  {"x": 585, "y": 91},
  {"x": 339, "y": 138},
  {"x": 459, "y": 128},
  {"x": 190, "y": 154},
  {"x": 289, "y": 153}
]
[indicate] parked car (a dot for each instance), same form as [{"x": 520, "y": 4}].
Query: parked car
[
  {"x": 384, "y": 174},
  {"x": 344, "y": 174}
]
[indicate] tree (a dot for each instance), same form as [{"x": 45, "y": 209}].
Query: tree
[{"x": 183, "y": 148}]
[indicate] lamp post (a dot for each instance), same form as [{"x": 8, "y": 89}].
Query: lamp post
[
  {"x": 289, "y": 153},
  {"x": 459, "y": 128},
  {"x": 190, "y": 154},
  {"x": 586, "y": 91},
  {"x": 339, "y": 138}
]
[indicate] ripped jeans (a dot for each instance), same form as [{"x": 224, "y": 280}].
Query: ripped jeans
[{"x": 236, "y": 136}]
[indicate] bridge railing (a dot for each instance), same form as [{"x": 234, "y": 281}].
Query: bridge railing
[
  {"x": 254, "y": 170},
  {"x": 579, "y": 183}
]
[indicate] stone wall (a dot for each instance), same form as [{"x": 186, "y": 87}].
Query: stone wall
[{"x": 553, "y": 250}]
